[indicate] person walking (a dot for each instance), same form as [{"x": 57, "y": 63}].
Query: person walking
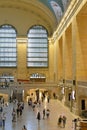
[{"x": 24, "y": 127}]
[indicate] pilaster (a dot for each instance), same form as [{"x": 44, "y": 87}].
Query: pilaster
[{"x": 74, "y": 73}]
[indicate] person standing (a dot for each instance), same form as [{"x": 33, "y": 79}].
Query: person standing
[
  {"x": 24, "y": 127},
  {"x": 47, "y": 113},
  {"x": 75, "y": 123},
  {"x": 14, "y": 115},
  {"x": 64, "y": 121},
  {"x": 43, "y": 113},
  {"x": 38, "y": 116},
  {"x": 48, "y": 99},
  {"x": 3, "y": 119}
]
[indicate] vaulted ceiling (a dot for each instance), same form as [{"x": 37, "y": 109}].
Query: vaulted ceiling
[{"x": 23, "y": 14}]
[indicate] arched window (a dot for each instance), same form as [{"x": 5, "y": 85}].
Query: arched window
[
  {"x": 37, "y": 52},
  {"x": 8, "y": 46}
]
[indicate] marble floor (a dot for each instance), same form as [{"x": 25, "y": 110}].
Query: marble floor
[{"x": 28, "y": 117}]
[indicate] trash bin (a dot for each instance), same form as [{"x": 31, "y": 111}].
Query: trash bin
[{"x": 83, "y": 125}]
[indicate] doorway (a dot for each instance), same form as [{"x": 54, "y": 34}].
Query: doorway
[{"x": 83, "y": 104}]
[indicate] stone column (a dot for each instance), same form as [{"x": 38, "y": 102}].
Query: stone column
[
  {"x": 64, "y": 57},
  {"x": 74, "y": 84}
]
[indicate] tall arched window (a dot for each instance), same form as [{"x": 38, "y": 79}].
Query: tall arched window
[
  {"x": 8, "y": 56},
  {"x": 37, "y": 54}
]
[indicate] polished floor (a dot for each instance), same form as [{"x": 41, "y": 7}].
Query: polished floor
[{"x": 29, "y": 117}]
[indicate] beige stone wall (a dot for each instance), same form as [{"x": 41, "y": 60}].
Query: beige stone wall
[
  {"x": 56, "y": 61},
  {"x": 22, "y": 54},
  {"x": 60, "y": 59},
  {"x": 68, "y": 53},
  {"x": 11, "y": 71},
  {"x": 81, "y": 48},
  {"x": 82, "y": 96},
  {"x": 51, "y": 74}
]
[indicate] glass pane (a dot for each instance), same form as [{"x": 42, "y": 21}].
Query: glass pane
[
  {"x": 37, "y": 64},
  {"x": 37, "y": 59},
  {"x": 37, "y": 54}
]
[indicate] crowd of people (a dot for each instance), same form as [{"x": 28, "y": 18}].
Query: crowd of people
[
  {"x": 16, "y": 112},
  {"x": 35, "y": 105},
  {"x": 41, "y": 114},
  {"x": 17, "y": 109}
]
